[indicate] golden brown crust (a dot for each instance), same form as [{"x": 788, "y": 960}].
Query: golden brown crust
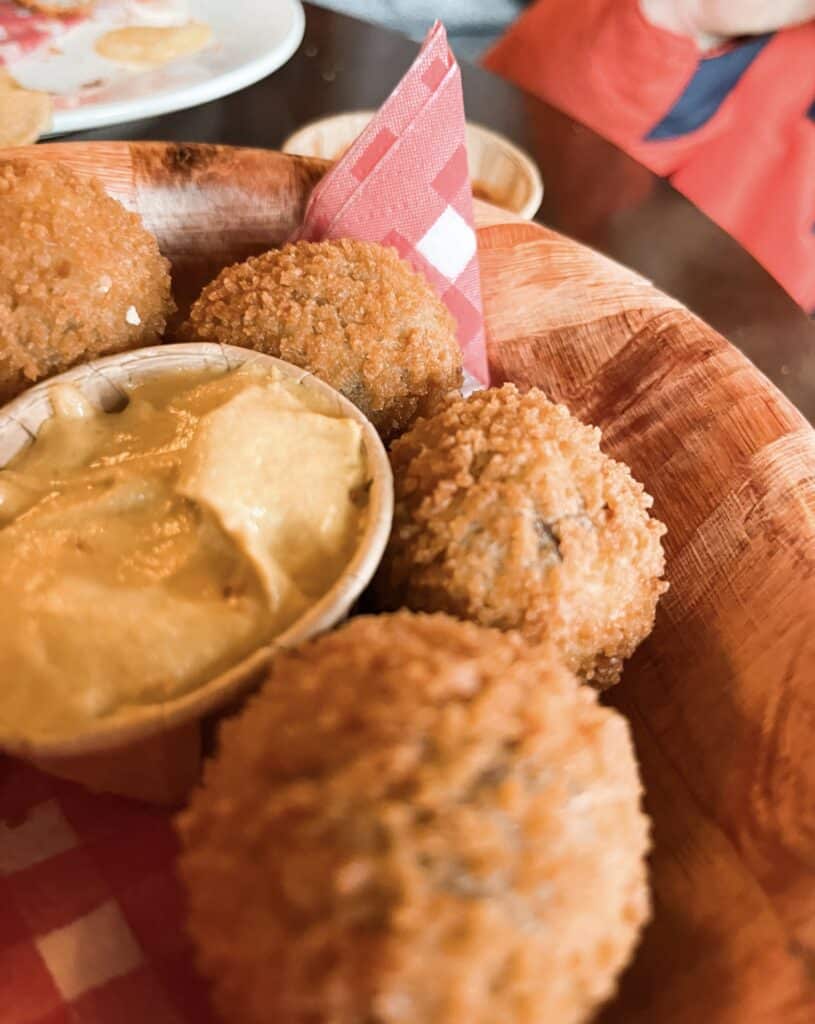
[
  {"x": 77, "y": 271},
  {"x": 352, "y": 313},
  {"x": 417, "y": 821},
  {"x": 24, "y": 114},
  {"x": 508, "y": 513}
]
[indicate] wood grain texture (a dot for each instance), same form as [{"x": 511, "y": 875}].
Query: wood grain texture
[
  {"x": 721, "y": 698},
  {"x": 208, "y": 206}
]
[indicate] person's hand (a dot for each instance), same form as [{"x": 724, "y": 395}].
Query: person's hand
[{"x": 711, "y": 21}]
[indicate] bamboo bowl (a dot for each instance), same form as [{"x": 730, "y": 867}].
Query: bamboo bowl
[
  {"x": 152, "y": 751},
  {"x": 720, "y": 698}
]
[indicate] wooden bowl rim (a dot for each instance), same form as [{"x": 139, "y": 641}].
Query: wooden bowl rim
[
  {"x": 26, "y": 413},
  {"x": 719, "y": 699}
]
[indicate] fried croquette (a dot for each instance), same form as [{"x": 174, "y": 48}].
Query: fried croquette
[
  {"x": 509, "y": 514},
  {"x": 353, "y": 313},
  {"x": 80, "y": 277},
  {"x": 417, "y": 821}
]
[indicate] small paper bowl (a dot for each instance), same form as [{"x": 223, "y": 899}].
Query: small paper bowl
[
  {"x": 502, "y": 173},
  {"x": 153, "y": 751}
]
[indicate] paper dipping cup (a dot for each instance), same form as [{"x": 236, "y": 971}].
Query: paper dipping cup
[
  {"x": 502, "y": 173},
  {"x": 152, "y": 752}
]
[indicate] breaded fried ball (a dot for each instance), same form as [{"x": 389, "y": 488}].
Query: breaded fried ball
[
  {"x": 353, "y": 313},
  {"x": 417, "y": 821},
  {"x": 508, "y": 513},
  {"x": 80, "y": 277}
]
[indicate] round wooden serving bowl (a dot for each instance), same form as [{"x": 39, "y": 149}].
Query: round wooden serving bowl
[{"x": 722, "y": 696}]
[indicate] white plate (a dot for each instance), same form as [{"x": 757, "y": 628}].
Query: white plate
[{"x": 252, "y": 38}]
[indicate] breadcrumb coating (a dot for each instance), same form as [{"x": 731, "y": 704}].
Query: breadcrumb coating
[
  {"x": 80, "y": 277},
  {"x": 417, "y": 821},
  {"x": 509, "y": 514},
  {"x": 353, "y": 313}
]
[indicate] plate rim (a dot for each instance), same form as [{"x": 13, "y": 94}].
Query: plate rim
[{"x": 104, "y": 115}]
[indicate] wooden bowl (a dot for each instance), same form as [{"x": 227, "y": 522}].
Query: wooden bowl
[
  {"x": 114, "y": 754},
  {"x": 721, "y": 698}
]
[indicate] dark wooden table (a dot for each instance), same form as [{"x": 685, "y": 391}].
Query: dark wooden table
[{"x": 593, "y": 191}]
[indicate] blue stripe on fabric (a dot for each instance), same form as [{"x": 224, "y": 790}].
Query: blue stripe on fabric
[
  {"x": 715, "y": 79},
  {"x": 811, "y": 112}
]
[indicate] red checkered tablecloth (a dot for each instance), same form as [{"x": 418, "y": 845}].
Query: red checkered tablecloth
[
  {"x": 91, "y": 914},
  {"x": 405, "y": 183}
]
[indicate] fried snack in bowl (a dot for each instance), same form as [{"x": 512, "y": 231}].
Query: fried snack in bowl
[
  {"x": 80, "y": 276},
  {"x": 508, "y": 513},
  {"x": 352, "y": 313},
  {"x": 417, "y": 820},
  {"x": 170, "y": 517},
  {"x": 24, "y": 114}
]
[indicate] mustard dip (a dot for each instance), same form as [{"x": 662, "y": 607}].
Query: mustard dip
[
  {"x": 143, "y": 552},
  {"x": 150, "y": 46}
]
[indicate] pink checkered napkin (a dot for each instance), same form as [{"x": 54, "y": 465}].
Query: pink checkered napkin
[
  {"x": 91, "y": 913},
  {"x": 22, "y": 31},
  {"x": 405, "y": 183}
]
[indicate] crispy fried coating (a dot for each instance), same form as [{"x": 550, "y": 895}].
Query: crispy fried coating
[
  {"x": 417, "y": 821},
  {"x": 80, "y": 277},
  {"x": 353, "y": 313},
  {"x": 508, "y": 513}
]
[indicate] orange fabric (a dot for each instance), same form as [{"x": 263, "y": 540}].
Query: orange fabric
[{"x": 750, "y": 167}]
